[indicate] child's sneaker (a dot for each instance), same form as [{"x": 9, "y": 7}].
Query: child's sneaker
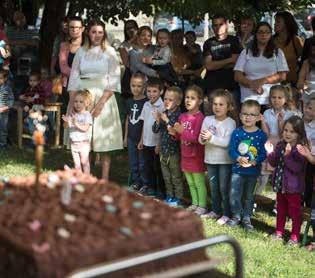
[
  {"x": 233, "y": 222},
  {"x": 247, "y": 224},
  {"x": 200, "y": 211},
  {"x": 223, "y": 220},
  {"x": 175, "y": 202},
  {"x": 134, "y": 188},
  {"x": 277, "y": 236},
  {"x": 293, "y": 242},
  {"x": 274, "y": 210},
  {"x": 144, "y": 189},
  {"x": 191, "y": 208},
  {"x": 211, "y": 215}
]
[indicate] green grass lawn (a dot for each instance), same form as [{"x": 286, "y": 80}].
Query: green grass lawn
[{"x": 263, "y": 257}]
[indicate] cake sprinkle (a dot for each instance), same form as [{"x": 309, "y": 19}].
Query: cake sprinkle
[
  {"x": 7, "y": 193},
  {"x": 62, "y": 232},
  {"x": 107, "y": 199},
  {"x": 69, "y": 217},
  {"x": 79, "y": 188},
  {"x": 110, "y": 208},
  {"x": 44, "y": 247},
  {"x": 137, "y": 204},
  {"x": 126, "y": 231},
  {"x": 146, "y": 215},
  {"x": 35, "y": 225}
]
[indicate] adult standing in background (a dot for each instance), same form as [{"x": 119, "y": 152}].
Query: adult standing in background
[
  {"x": 130, "y": 32},
  {"x": 308, "y": 42},
  {"x": 142, "y": 48},
  {"x": 96, "y": 68},
  {"x": 287, "y": 40},
  {"x": 68, "y": 50},
  {"x": 61, "y": 37},
  {"x": 220, "y": 54},
  {"x": 260, "y": 66},
  {"x": 245, "y": 32}
]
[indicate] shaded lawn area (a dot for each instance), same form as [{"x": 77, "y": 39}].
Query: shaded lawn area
[{"x": 263, "y": 257}]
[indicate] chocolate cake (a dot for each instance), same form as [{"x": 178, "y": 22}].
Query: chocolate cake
[{"x": 72, "y": 220}]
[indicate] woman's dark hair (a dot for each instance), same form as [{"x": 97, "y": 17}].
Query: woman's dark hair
[
  {"x": 290, "y": 24},
  {"x": 97, "y": 23},
  {"x": 298, "y": 127},
  {"x": 76, "y": 18},
  {"x": 130, "y": 22},
  {"x": 270, "y": 49}
]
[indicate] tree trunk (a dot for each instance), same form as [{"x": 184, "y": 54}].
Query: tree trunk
[{"x": 53, "y": 14}]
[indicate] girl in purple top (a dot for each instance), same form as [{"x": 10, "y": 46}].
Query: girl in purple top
[
  {"x": 289, "y": 176},
  {"x": 192, "y": 152}
]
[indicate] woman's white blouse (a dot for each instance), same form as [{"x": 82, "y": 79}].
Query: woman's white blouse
[
  {"x": 259, "y": 67},
  {"x": 94, "y": 63}
]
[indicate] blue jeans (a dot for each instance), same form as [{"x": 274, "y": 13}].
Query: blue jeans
[
  {"x": 242, "y": 195},
  {"x": 4, "y": 116},
  {"x": 220, "y": 180},
  {"x": 136, "y": 163}
]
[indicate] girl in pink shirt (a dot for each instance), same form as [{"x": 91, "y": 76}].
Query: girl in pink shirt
[{"x": 192, "y": 152}]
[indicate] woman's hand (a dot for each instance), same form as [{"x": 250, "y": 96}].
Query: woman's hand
[
  {"x": 256, "y": 85},
  {"x": 96, "y": 111}
]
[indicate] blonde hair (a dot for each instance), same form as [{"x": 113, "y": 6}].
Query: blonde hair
[
  {"x": 87, "y": 96},
  {"x": 232, "y": 113},
  {"x": 178, "y": 92}
]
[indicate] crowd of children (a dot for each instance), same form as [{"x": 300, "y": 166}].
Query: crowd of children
[{"x": 240, "y": 152}]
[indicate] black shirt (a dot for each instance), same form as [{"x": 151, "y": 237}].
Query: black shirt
[
  {"x": 134, "y": 108},
  {"x": 221, "y": 50}
]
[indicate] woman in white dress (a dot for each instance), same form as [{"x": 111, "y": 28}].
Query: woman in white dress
[{"x": 96, "y": 68}]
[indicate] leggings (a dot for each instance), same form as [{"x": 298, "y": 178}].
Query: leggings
[{"x": 197, "y": 188}]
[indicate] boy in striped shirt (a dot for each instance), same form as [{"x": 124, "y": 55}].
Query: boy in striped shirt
[{"x": 6, "y": 101}]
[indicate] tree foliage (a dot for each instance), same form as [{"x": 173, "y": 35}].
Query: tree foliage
[{"x": 192, "y": 10}]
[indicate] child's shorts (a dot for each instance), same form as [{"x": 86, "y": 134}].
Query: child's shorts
[{"x": 80, "y": 146}]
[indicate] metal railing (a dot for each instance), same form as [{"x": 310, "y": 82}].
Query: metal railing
[{"x": 108, "y": 268}]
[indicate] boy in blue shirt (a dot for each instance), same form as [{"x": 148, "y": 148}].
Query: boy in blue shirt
[{"x": 248, "y": 152}]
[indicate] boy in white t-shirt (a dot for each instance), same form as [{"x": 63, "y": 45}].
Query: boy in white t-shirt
[
  {"x": 79, "y": 123},
  {"x": 150, "y": 141}
]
